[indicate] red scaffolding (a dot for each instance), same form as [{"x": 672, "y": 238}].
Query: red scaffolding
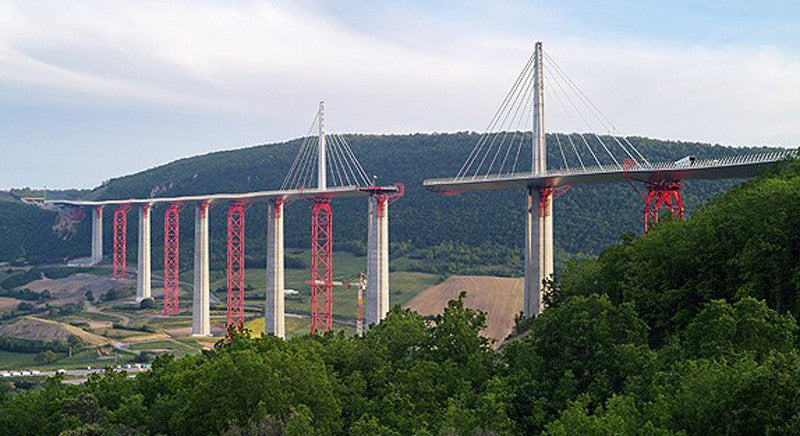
[
  {"x": 236, "y": 265},
  {"x": 663, "y": 195},
  {"x": 321, "y": 266},
  {"x": 120, "y": 248},
  {"x": 171, "y": 258}
]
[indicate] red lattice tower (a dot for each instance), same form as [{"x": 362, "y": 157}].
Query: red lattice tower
[
  {"x": 171, "y": 258},
  {"x": 321, "y": 266},
  {"x": 120, "y": 249},
  {"x": 236, "y": 265},
  {"x": 663, "y": 195}
]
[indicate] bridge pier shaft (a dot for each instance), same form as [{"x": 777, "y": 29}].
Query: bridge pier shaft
[
  {"x": 539, "y": 264},
  {"x": 97, "y": 235},
  {"x": 201, "y": 317},
  {"x": 377, "y": 298},
  {"x": 274, "y": 311},
  {"x": 143, "y": 285}
]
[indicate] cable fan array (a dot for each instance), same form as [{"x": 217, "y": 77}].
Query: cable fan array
[
  {"x": 342, "y": 167},
  {"x": 505, "y": 147}
]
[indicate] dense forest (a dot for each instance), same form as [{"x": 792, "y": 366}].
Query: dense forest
[
  {"x": 479, "y": 232},
  {"x": 691, "y": 329}
]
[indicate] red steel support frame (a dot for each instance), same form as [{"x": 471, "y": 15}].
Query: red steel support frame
[
  {"x": 120, "y": 248},
  {"x": 171, "y": 258},
  {"x": 236, "y": 265},
  {"x": 321, "y": 266},
  {"x": 663, "y": 195}
]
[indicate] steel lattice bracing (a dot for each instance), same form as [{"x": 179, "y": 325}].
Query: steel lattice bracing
[
  {"x": 664, "y": 195},
  {"x": 120, "y": 247},
  {"x": 321, "y": 266},
  {"x": 236, "y": 265},
  {"x": 171, "y": 259}
]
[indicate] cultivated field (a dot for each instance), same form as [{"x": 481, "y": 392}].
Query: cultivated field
[{"x": 499, "y": 297}]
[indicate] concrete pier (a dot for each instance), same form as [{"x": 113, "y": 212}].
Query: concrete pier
[
  {"x": 97, "y": 235},
  {"x": 539, "y": 263},
  {"x": 377, "y": 298},
  {"x": 143, "y": 287},
  {"x": 274, "y": 310},
  {"x": 201, "y": 316}
]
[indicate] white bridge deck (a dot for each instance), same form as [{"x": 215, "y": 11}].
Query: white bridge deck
[
  {"x": 724, "y": 168},
  {"x": 330, "y": 192}
]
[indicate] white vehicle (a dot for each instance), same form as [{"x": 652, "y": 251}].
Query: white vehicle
[
  {"x": 5, "y": 374},
  {"x": 16, "y": 373},
  {"x": 26, "y": 373},
  {"x": 685, "y": 162},
  {"x": 61, "y": 371},
  {"x": 290, "y": 292},
  {"x": 35, "y": 372}
]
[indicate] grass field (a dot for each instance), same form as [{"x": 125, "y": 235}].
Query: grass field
[
  {"x": 295, "y": 326},
  {"x": 9, "y": 360}
]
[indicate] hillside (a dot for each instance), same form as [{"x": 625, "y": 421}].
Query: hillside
[{"x": 479, "y": 231}]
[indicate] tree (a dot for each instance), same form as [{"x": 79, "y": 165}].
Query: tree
[
  {"x": 46, "y": 357},
  {"x": 74, "y": 342}
]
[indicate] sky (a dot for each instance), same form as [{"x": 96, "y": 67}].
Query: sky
[{"x": 93, "y": 90}]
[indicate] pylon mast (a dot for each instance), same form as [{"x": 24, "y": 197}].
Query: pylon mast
[
  {"x": 322, "y": 182},
  {"x": 539, "y": 147}
]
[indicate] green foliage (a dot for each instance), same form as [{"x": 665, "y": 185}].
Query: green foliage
[
  {"x": 46, "y": 357},
  {"x": 30, "y": 346},
  {"x": 26, "y": 294}
]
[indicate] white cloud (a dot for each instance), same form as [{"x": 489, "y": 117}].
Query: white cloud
[{"x": 275, "y": 60}]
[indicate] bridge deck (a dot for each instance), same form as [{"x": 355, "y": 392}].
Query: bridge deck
[
  {"x": 331, "y": 192},
  {"x": 726, "y": 168}
]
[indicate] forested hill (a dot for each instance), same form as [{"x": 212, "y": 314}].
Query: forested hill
[{"x": 452, "y": 232}]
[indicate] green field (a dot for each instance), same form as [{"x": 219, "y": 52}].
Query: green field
[
  {"x": 403, "y": 285},
  {"x": 295, "y": 326},
  {"x": 9, "y": 360}
]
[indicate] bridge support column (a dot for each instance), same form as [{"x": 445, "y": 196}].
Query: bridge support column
[
  {"x": 97, "y": 235},
  {"x": 539, "y": 263},
  {"x": 274, "y": 310},
  {"x": 143, "y": 287},
  {"x": 201, "y": 317},
  {"x": 377, "y": 298},
  {"x": 663, "y": 195}
]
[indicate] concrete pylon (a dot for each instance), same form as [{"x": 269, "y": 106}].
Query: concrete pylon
[
  {"x": 377, "y": 298},
  {"x": 539, "y": 263},
  {"x": 274, "y": 310},
  {"x": 201, "y": 317},
  {"x": 143, "y": 287},
  {"x": 97, "y": 235}
]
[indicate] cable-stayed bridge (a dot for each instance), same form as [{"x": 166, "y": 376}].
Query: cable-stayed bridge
[
  {"x": 506, "y": 157},
  {"x": 324, "y": 169},
  {"x": 510, "y": 154}
]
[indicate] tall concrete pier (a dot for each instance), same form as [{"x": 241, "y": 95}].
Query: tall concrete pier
[
  {"x": 143, "y": 286},
  {"x": 377, "y": 298},
  {"x": 97, "y": 235},
  {"x": 539, "y": 218},
  {"x": 201, "y": 317},
  {"x": 274, "y": 310}
]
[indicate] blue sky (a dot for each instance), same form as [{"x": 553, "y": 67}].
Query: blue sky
[{"x": 96, "y": 89}]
